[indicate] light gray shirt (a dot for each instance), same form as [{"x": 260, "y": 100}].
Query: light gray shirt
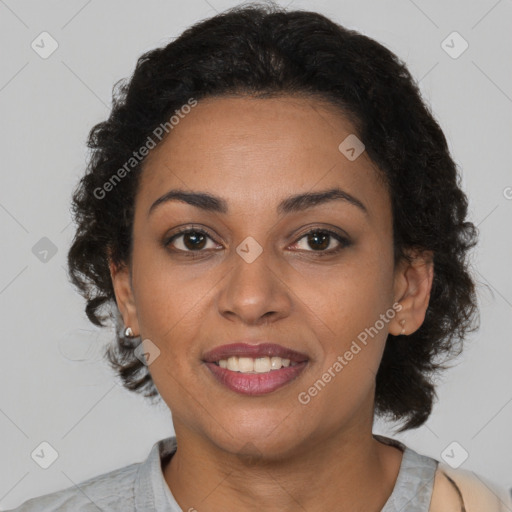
[{"x": 141, "y": 487}]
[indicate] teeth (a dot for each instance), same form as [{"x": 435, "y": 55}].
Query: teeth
[
  {"x": 261, "y": 365},
  {"x": 275, "y": 363},
  {"x": 245, "y": 364},
  {"x": 233, "y": 364},
  {"x": 256, "y": 365}
]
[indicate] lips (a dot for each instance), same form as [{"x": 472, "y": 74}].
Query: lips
[
  {"x": 253, "y": 351},
  {"x": 257, "y": 382}
]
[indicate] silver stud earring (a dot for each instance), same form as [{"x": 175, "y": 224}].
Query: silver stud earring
[
  {"x": 402, "y": 323},
  {"x": 128, "y": 332}
]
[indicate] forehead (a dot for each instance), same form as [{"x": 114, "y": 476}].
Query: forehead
[{"x": 255, "y": 152}]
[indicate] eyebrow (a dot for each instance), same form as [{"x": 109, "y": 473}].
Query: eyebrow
[{"x": 295, "y": 203}]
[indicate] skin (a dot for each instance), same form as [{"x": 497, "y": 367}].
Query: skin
[{"x": 269, "y": 452}]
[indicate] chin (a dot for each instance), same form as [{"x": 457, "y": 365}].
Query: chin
[{"x": 256, "y": 437}]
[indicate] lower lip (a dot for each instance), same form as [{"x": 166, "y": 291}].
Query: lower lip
[{"x": 256, "y": 383}]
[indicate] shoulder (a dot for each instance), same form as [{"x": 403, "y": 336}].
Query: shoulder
[
  {"x": 112, "y": 491},
  {"x": 458, "y": 488}
]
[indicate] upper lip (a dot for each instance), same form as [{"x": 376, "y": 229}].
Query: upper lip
[{"x": 243, "y": 349}]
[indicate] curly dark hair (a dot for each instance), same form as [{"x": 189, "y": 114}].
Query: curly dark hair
[{"x": 265, "y": 50}]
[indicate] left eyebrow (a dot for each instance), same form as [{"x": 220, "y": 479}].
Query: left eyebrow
[
  {"x": 302, "y": 202},
  {"x": 295, "y": 203}
]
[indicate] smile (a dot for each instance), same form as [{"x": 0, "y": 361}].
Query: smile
[
  {"x": 255, "y": 365},
  {"x": 254, "y": 369}
]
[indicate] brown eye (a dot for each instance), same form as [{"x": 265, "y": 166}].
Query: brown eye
[
  {"x": 194, "y": 240},
  {"x": 190, "y": 240},
  {"x": 319, "y": 240}
]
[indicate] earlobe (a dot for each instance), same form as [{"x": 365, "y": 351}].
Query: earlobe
[
  {"x": 125, "y": 300},
  {"x": 413, "y": 284}
]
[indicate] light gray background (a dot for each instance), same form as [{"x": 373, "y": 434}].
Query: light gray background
[{"x": 54, "y": 385}]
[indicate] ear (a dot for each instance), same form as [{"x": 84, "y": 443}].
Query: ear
[
  {"x": 121, "y": 281},
  {"x": 412, "y": 286}
]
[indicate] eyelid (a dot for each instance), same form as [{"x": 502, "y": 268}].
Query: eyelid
[{"x": 323, "y": 229}]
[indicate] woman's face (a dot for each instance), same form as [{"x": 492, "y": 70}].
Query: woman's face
[{"x": 256, "y": 276}]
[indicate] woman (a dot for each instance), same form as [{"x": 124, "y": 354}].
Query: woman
[{"x": 274, "y": 215}]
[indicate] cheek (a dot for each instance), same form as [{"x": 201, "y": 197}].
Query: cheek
[
  {"x": 350, "y": 296},
  {"x": 352, "y": 337},
  {"x": 168, "y": 312},
  {"x": 165, "y": 295},
  {"x": 173, "y": 308},
  {"x": 355, "y": 309}
]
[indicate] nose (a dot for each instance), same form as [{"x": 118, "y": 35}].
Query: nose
[{"x": 254, "y": 292}]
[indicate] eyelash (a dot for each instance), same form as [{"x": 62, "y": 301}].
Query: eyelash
[{"x": 343, "y": 241}]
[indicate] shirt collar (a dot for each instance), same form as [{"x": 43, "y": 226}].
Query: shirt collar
[
  {"x": 152, "y": 494},
  {"x": 414, "y": 482}
]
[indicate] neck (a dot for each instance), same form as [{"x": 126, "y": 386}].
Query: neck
[{"x": 347, "y": 471}]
